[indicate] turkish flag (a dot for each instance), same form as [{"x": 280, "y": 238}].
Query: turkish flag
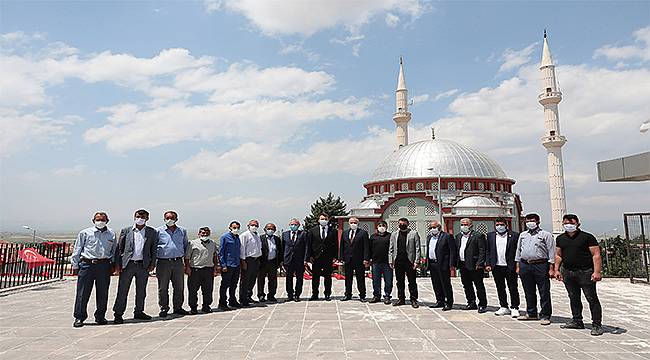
[{"x": 33, "y": 258}]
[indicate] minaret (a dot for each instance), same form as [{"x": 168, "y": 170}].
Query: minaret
[
  {"x": 402, "y": 115},
  {"x": 553, "y": 140}
]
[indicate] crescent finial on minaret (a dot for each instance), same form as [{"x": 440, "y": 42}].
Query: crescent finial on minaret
[
  {"x": 544, "y": 33},
  {"x": 433, "y": 133}
]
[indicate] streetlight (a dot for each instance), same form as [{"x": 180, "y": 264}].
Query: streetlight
[{"x": 31, "y": 229}]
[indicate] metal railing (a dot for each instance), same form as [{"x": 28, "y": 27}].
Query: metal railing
[
  {"x": 637, "y": 230},
  {"x": 17, "y": 270}
]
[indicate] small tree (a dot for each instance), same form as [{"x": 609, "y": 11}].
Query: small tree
[
  {"x": 330, "y": 205},
  {"x": 618, "y": 259}
]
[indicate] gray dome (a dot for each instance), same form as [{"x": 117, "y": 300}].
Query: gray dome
[{"x": 450, "y": 158}]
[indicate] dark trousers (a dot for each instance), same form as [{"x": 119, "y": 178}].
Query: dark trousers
[
  {"x": 576, "y": 281},
  {"x": 441, "y": 282},
  {"x": 99, "y": 276},
  {"x": 503, "y": 275},
  {"x": 248, "y": 279},
  {"x": 268, "y": 270},
  {"x": 228, "y": 286},
  {"x": 132, "y": 270},
  {"x": 174, "y": 271},
  {"x": 534, "y": 277},
  {"x": 321, "y": 267},
  {"x": 297, "y": 270},
  {"x": 473, "y": 279},
  {"x": 380, "y": 270},
  {"x": 404, "y": 268},
  {"x": 355, "y": 270},
  {"x": 200, "y": 278}
]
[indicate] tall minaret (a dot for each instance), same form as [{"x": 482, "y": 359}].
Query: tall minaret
[
  {"x": 553, "y": 140},
  {"x": 402, "y": 115}
]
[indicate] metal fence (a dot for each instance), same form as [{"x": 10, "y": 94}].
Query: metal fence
[
  {"x": 17, "y": 269},
  {"x": 637, "y": 229}
]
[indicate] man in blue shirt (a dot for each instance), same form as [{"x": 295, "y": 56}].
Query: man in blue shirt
[
  {"x": 229, "y": 258},
  {"x": 92, "y": 261},
  {"x": 172, "y": 243}
]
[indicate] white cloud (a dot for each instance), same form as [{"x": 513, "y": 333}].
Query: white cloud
[
  {"x": 391, "y": 20},
  {"x": 641, "y": 51},
  {"x": 212, "y": 5},
  {"x": 420, "y": 98},
  {"x": 445, "y": 94},
  {"x": 20, "y": 130},
  {"x": 513, "y": 59},
  {"x": 76, "y": 170},
  {"x": 300, "y": 49}
]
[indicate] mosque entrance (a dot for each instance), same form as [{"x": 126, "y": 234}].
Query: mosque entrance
[{"x": 419, "y": 212}]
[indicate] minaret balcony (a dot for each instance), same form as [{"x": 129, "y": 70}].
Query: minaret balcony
[
  {"x": 553, "y": 141},
  {"x": 550, "y": 97}
]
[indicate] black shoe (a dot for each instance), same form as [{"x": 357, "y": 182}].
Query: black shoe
[
  {"x": 163, "y": 314},
  {"x": 193, "y": 311},
  {"x": 118, "y": 320},
  {"x": 437, "y": 305},
  {"x": 573, "y": 325},
  {"x": 272, "y": 299},
  {"x": 206, "y": 310},
  {"x": 245, "y": 304},
  {"x": 347, "y": 298},
  {"x": 415, "y": 304},
  {"x": 141, "y": 316},
  {"x": 262, "y": 298},
  {"x": 387, "y": 301},
  {"x": 252, "y": 301},
  {"x": 374, "y": 300},
  {"x": 446, "y": 308},
  {"x": 597, "y": 330},
  {"x": 363, "y": 299},
  {"x": 181, "y": 311},
  {"x": 78, "y": 323},
  {"x": 469, "y": 307},
  {"x": 235, "y": 305},
  {"x": 399, "y": 302},
  {"x": 482, "y": 309},
  {"x": 101, "y": 321},
  {"x": 313, "y": 298},
  {"x": 296, "y": 299},
  {"x": 328, "y": 298},
  {"x": 223, "y": 307}
]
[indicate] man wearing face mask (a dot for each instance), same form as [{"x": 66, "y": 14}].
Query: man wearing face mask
[
  {"x": 441, "y": 258},
  {"x": 135, "y": 258},
  {"x": 92, "y": 260},
  {"x": 172, "y": 244},
  {"x": 201, "y": 266},
  {"x": 251, "y": 251},
  {"x": 578, "y": 265},
  {"x": 379, "y": 244},
  {"x": 230, "y": 261},
  {"x": 534, "y": 263},
  {"x": 501, "y": 249},
  {"x": 322, "y": 249},
  {"x": 355, "y": 253},
  {"x": 295, "y": 258},
  {"x": 471, "y": 261},
  {"x": 404, "y": 255},
  {"x": 270, "y": 261}
]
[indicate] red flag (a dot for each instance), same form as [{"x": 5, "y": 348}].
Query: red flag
[{"x": 33, "y": 258}]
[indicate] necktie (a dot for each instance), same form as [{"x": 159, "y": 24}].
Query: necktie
[
  {"x": 322, "y": 233},
  {"x": 352, "y": 236},
  {"x": 293, "y": 237}
]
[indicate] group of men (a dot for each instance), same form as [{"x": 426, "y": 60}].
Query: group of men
[{"x": 248, "y": 258}]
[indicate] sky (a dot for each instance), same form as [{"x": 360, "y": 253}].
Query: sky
[{"x": 246, "y": 109}]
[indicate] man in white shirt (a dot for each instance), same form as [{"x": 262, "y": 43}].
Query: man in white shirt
[
  {"x": 501, "y": 250},
  {"x": 251, "y": 251}
]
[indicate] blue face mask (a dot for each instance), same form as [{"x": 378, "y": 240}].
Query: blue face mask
[{"x": 293, "y": 227}]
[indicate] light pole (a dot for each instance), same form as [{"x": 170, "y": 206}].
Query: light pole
[{"x": 33, "y": 232}]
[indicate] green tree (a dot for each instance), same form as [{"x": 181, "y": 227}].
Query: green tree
[
  {"x": 330, "y": 205},
  {"x": 616, "y": 251}
]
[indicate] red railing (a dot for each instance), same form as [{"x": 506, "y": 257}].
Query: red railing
[{"x": 15, "y": 271}]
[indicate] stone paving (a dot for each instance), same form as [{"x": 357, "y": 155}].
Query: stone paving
[{"x": 37, "y": 324}]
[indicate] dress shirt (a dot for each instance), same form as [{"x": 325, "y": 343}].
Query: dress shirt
[
  {"x": 93, "y": 243},
  {"x": 536, "y": 244},
  {"x": 294, "y": 236},
  {"x": 433, "y": 241},
  {"x": 463, "y": 243},
  {"x": 502, "y": 244},
  {"x": 138, "y": 243},
  {"x": 171, "y": 244},
  {"x": 251, "y": 245},
  {"x": 273, "y": 251},
  {"x": 323, "y": 231},
  {"x": 201, "y": 253},
  {"x": 351, "y": 235}
]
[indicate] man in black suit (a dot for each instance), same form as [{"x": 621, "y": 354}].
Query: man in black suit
[
  {"x": 271, "y": 259},
  {"x": 135, "y": 258},
  {"x": 355, "y": 253},
  {"x": 322, "y": 249},
  {"x": 295, "y": 258},
  {"x": 441, "y": 258},
  {"x": 471, "y": 261},
  {"x": 501, "y": 250}
]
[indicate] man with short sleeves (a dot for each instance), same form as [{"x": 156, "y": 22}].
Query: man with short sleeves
[{"x": 201, "y": 268}]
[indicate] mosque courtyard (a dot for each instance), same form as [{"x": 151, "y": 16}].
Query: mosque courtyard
[{"x": 37, "y": 324}]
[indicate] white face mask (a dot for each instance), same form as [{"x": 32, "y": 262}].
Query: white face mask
[
  {"x": 500, "y": 229},
  {"x": 253, "y": 228},
  {"x": 270, "y": 232},
  {"x": 100, "y": 224},
  {"x": 234, "y": 231},
  {"x": 464, "y": 229},
  {"x": 170, "y": 222},
  {"x": 140, "y": 221},
  {"x": 323, "y": 222},
  {"x": 204, "y": 238},
  {"x": 570, "y": 227},
  {"x": 354, "y": 226},
  {"x": 531, "y": 225},
  {"x": 434, "y": 231},
  {"x": 381, "y": 229}
]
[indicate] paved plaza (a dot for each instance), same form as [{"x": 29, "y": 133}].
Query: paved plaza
[{"x": 37, "y": 324}]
